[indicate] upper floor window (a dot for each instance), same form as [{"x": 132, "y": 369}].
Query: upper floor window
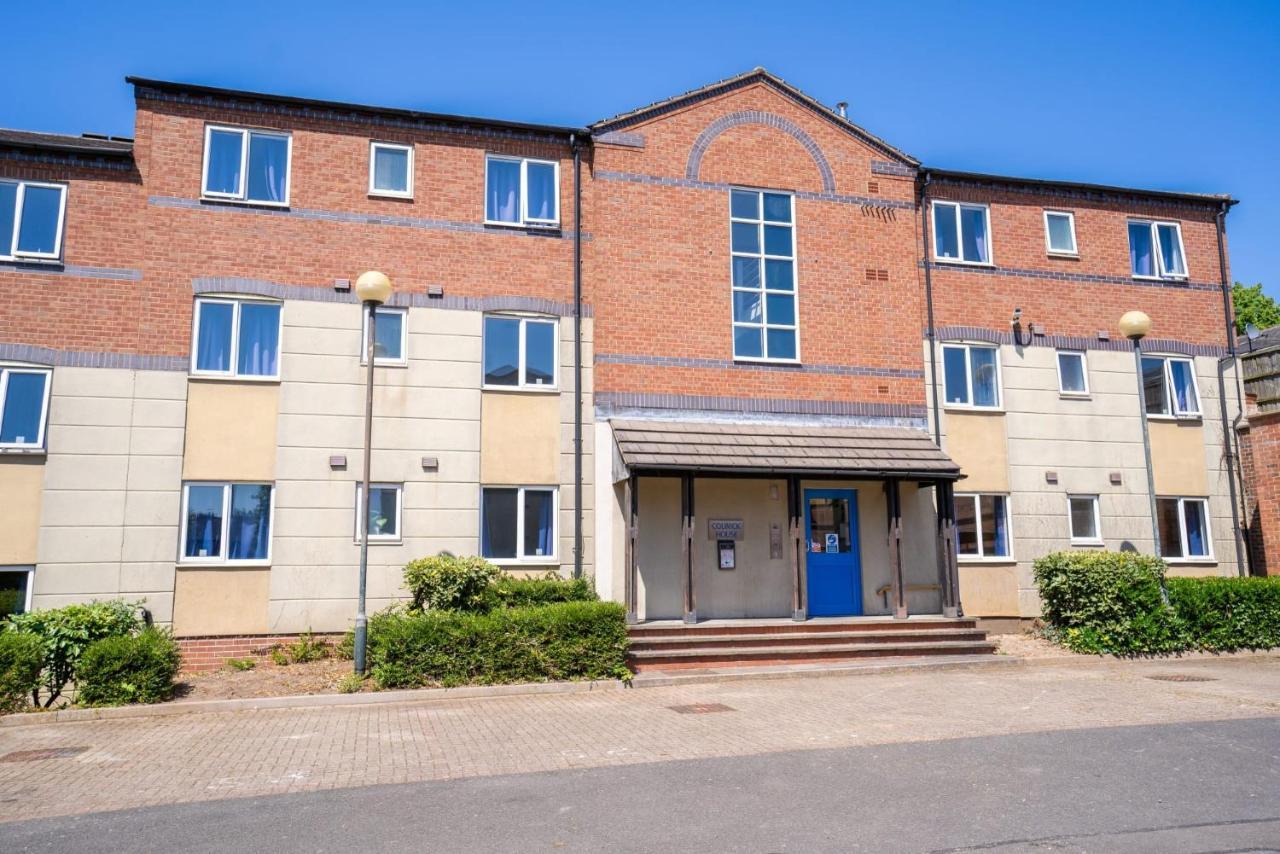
[
  {"x": 1184, "y": 528},
  {"x": 390, "y": 337},
  {"x": 1060, "y": 232},
  {"x": 1073, "y": 373},
  {"x": 763, "y": 245},
  {"x": 521, "y": 191},
  {"x": 962, "y": 232},
  {"x": 247, "y": 165},
  {"x": 390, "y": 170},
  {"x": 24, "y": 406},
  {"x": 31, "y": 217},
  {"x": 971, "y": 375},
  {"x": 386, "y": 503},
  {"x": 982, "y": 526},
  {"x": 1155, "y": 250},
  {"x": 226, "y": 522},
  {"x": 236, "y": 338},
  {"x": 1169, "y": 386},
  {"x": 518, "y": 523},
  {"x": 519, "y": 352}
]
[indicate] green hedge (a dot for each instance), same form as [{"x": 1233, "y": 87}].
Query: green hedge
[
  {"x": 566, "y": 640},
  {"x": 510, "y": 592},
  {"x": 68, "y": 631},
  {"x": 1111, "y": 602},
  {"x": 128, "y": 669},
  {"x": 21, "y": 660},
  {"x": 1225, "y": 614}
]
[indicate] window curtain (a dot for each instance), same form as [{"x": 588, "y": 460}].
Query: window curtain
[
  {"x": 391, "y": 170},
  {"x": 946, "y": 243},
  {"x": 259, "y": 339},
  {"x": 204, "y": 521},
  {"x": 1153, "y": 387},
  {"x": 983, "y": 365},
  {"x": 957, "y": 387},
  {"x": 498, "y": 531},
  {"x": 503, "y": 203},
  {"x": 1184, "y": 390},
  {"x": 268, "y": 165},
  {"x": 537, "y": 522},
  {"x": 1194, "y": 513},
  {"x": 223, "y": 175},
  {"x": 1170, "y": 252},
  {"x": 542, "y": 191},
  {"x": 23, "y": 409},
  {"x": 1140, "y": 249},
  {"x": 250, "y": 531},
  {"x": 974, "y": 234},
  {"x": 213, "y": 340}
]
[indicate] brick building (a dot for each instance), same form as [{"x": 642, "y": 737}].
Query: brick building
[
  {"x": 729, "y": 354},
  {"x": 1260, "y": 446}
]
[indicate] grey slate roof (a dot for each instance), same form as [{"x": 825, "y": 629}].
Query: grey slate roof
[
  {"x": 781, "y": 448},
  {"x": 92, "y": 145}
]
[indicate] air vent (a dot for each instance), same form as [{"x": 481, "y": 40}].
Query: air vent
[
  {"x": 873, "y": 187},
  {"x": 877, "y": 275}
]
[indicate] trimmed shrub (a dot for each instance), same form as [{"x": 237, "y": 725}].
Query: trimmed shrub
[
  {"x": 566, "y": 640},
  {"x": 447, "y": 582},
  {"x": 1107, "y": 602},
  {"x": 1225, "y": 614},
  {"x": 510, "y": 592},
  {"x": 21, "y": 659},
  {"x": 128, "y": 669},
  {"x": 68, "y": 631}
]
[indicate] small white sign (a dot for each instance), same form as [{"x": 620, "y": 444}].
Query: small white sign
[{"x": 833, "y": 544}]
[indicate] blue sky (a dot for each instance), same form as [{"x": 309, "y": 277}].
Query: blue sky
[{"x": 1169, "y": 95}]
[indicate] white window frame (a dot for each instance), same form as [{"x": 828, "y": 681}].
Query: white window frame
[
  {"x": 7, "y": 368},
  {"x": 1161, "y": 272},
  {"x": 526, "y": 221},
  {"x": 374, "y": 539},
  {"x": 241, "y": 194},
  {"x": 9, "y": 250},
  {"x": 1084, "y": 372},
  {"x": 1174, "y": 413},
  {"x": 794, "y": 293},
  {"x": 1097, "y": 521},
  {"x": 521, "y": 385},
  {"x": 404, "y": 336},
  {"x": 391, "y": 146},
  {"x": 522, "y": 559},
  {"x": 31, "y": 582},
  {"x": 956, "y": 208},
  {"x": 981, "y": 556},
  {"x": 232, "y": 372},
  {"x": 968, "y": 377},
  {"x": 1209, "y": 556},
  {"x": 1074, "y": 251},
  {"x": 222, "y": 560}
]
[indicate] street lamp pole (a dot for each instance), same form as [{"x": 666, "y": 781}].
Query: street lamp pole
[
  {"x": 1135, "y": 325},
  {"x": 373, "y": 289}
]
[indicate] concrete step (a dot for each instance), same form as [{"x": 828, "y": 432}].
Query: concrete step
[
  {"x": 751, "y": 627},
  {"x": 713, "y": 656},
  {"x": 701, "y": 640}
]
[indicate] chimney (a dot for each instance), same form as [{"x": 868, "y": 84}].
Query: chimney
[{"x": 843, "y": 109}]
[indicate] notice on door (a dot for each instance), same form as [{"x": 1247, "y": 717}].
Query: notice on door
[{"x": 833, "y": 543}]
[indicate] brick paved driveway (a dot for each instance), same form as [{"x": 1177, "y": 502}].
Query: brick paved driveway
[{"x": 148, "y": 761}]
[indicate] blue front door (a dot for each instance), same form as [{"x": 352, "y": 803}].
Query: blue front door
[{"x": 834, "y": 569}]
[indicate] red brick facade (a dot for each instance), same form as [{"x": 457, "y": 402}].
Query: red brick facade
[{"x": 1260, "y": 455}]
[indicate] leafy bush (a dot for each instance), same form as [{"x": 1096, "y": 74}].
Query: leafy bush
[
  {"x": 21, "y": 659},
  {"x": 567, "y": 640},
  {"x": 509, "y": 592},
  {"x": 67, "y": 632},
  {"x": 279, "y": 657},
  {"x": 242, "y": 664},
  {"x": 1225, "y": 614},
  {"x": 308, "y": 648},
  {"x": 350, "y": 684},
  {"x": 128, "y": 669},
  {"x": 447, "y": 582},
  {"x": 1107, "y": 602}
]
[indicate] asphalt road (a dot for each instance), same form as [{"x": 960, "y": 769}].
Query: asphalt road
[{"x": 1185, "y": 787}]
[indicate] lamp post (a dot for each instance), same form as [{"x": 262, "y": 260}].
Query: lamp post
[
  {"x": 1134, "y": 325},
  {"x": 373, "y": 289}
]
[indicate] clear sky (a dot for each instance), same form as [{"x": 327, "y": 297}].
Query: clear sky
[{"x": 1169, "y": 95}]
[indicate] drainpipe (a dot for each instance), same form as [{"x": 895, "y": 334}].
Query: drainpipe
[
  {"x": 928, "y": 299},
  {"x": 1233, "y": 462},
  {"x": 577, "y": 355}
]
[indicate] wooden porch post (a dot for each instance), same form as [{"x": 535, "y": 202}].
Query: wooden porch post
[
  {"x": 897, "y": 581},
  {"x": 631, "y": 501},
  {"x": 948, "y": 569},
  {"x": 793, "y": 547},
  {"x": 686, "y": 548}
]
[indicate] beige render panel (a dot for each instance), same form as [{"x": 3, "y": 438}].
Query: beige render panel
[
  {"x": 222, "y": 601},
  {"x": 977, "y": 442},
  {"x": 658, "y": 550},
  {"x": 21, "y": 479},
  {"x": 1177, "y": 457},
  {"x": 519, "y": 438},
  {"x": 231, "y": 431},
  {"x": 989, "y": 590}
]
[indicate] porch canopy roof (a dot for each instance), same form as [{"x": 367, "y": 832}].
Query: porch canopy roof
[{"x": 868, "y": 452}]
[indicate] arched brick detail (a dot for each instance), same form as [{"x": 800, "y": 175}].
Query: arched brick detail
[{"x": 758, "y": 117}]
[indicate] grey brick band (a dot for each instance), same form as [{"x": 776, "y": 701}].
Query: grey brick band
[
  {"x": 758, "y": 117},
  {"x": 1076, "y": 342},
  {"x": 364, "y": 219},
  {"x": 82, "y": 359},
  {"x": 621, "y": 137},
  {"x": 1089, "y": 278},
  {"x": 884, "y": 167},
  {"x": 643, "y": 400},
  {"x": 69, "y": 159},
  {"x": 76, "y": 270},
  {"x": 728, "y": 364},
  {"x": 837, "y": 198}
]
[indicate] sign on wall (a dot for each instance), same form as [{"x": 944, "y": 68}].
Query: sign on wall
[{"x": 724, "y": 529}]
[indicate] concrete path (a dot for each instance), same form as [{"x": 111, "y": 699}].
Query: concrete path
[{"x": 119, "y": 764}]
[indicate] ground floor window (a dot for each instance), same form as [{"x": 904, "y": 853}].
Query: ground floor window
[
  {"x": 982, "y": 526},
  {"x": 226, "y": 522},
  {"x": 1086, "y": 523},
  {"x": 518, "y": 522},
  {"x": 385, "y": 505},
  {"x": 15, "y": 589},
  {"x": 1184, "y": 527}
]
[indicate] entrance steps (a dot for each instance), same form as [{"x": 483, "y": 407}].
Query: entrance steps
[{"x": 672, "y": 645}]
